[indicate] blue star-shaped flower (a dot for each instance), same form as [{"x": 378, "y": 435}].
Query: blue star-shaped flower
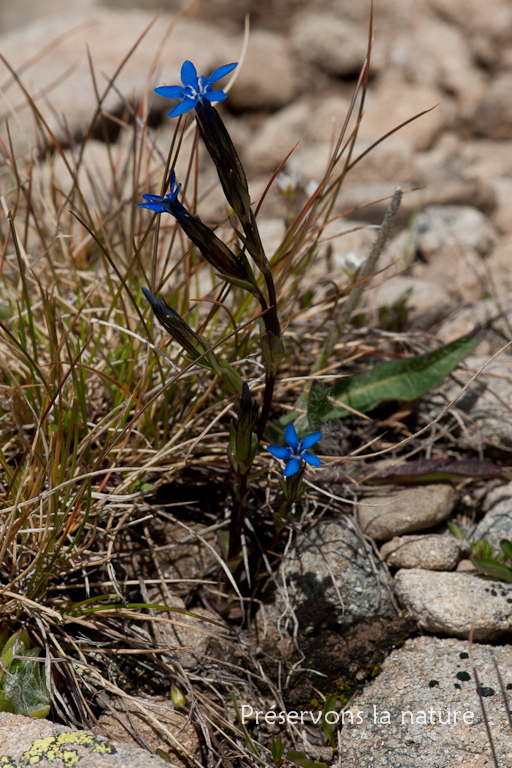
[
  {"x": 194, "y": 88},
  {"x": 296, "y": 451},
  {"x": 162, "y": 204}
]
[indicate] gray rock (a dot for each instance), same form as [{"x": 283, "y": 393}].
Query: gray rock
[
  {"x": 497, "y": 523},
  {"x": 394, "y": 101},
  {"x": 60, "y": 76},
  {"x": 405, "y": 511},
  {"x": 488, "y": 417},
  {"x": 124, "y": 722},
  {"x": 451, "y": 603},
  {"x": 423, "y": 297},
  {"x": 430, "y": 673},
  {"x": 330, "y": 43},
  {"x": 27, "y": 741},
  {"x": 266, "y": 64},
  {"x": 331, "y": 579},
  {"x": 434, "y": 552},
  {"x": 492, "y": 117},
  {"x": 448, "y": 228}
]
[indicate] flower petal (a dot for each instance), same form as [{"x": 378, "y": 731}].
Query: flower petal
[
  {"x": 215, "y": 95},
  {"x": 221, "y": 72},
  {"x": 156, "y": 207},
  {"x": 279, "y": 451},
  {"x": 292, "y": 467},
  {"x": 184, "y": 106},
  {"x": 310, "y": 440},
  {"x": 310, "y": 458},
  {"x": 170, "y": 91},
  {"x": 291, "y": 436},
  {"x": 189, "y": 75}
]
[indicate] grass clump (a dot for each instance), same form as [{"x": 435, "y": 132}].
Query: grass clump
[{"x": 124, "y": 440}]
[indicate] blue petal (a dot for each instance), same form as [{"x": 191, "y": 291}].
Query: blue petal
[
  {"x": 170, "y": 91},
  {"x": 156, "y": 207},
  {"x": 215, "y": 95},
  {"x": 291, "y": 437},
  {"x": 189, "y": 75},
  {"x": 182, "y": 107},
  {"x": 310, "y": 440},
  {"x": 173, "y": 188},
  {"x": 292, "y": 467},
  {"x": 153, "y": 198},
  {"x": 221, "y": 72},
  {"x": 310, "y": 458},
  {"x": 279, "y": 451}
]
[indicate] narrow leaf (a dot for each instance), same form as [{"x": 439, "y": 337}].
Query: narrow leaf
[
  {"x": 400, "y": 380},
  {"x": 299, "y": 758},
  {"x": 455, "y": 530},
  {"x": 506, "y": 547},
  {"x": 431, "y": 470},
  {"x": 494, "y": 569}
]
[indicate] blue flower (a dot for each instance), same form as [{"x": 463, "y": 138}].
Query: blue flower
[
  {"x": 194, "y": 88},
  {"x": 296, "y": 452},
  {"x": 162, "y": 204}
]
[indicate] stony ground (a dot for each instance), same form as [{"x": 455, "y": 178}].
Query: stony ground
[{"x": 451, "y": 255}]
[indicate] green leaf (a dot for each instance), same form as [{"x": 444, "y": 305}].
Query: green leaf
[
  {"x": 506, "y": 546},
  {"x": 299, "y": 758},
  {"x": 329, "y": 705},
  {"x": 455, "y": 530},
  {"x": 494, "y": 569},
  {"x": 400, "y": 380},
  {"x": 482, "y": 550}
]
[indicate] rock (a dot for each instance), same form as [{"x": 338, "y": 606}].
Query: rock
[
  {"x": 433, "y": 552},
  {"x": 430, "y": 675},
  {"x": 485, "y": 158},
  {"x": 393, "y": 101},
  {"x": 501, "y": 217},
  {"x": 393, "y": 160},
  {"x": 333, "y": 44},
  {"x": 466, "y": 566},
  {"x": 277, "y": 137},
  {"x": 463, "y": 320},
  {"x": 450, "y": 241},
  {"x": 437, "y": 54},
  {"x": 59, "y": 74},
  {"x": 446, "y": 229},
  {"x": 157, "y": 722},
  {"x": 27, "y": 741},
  {"x": 405, "y": 511},
  {"x": 328, "y": 581},
  {"x": 485, "y": 402},
  {"x": 497, "y": 523},
  {"x": 423, "y": 297},
  {"x": 267, "y": 78},
  {"x": 451, "y": 603},
  {"x": 492, "y": 117}
]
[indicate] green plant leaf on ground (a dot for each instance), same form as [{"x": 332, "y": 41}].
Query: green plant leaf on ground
[
  {"x": 506, "y": 548},
  {"x": 400, "y": 380},
  {"x": 22, "y": 687},
  {"x": 299, "y": 758},
  {"x": 494, "y": 569}
]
